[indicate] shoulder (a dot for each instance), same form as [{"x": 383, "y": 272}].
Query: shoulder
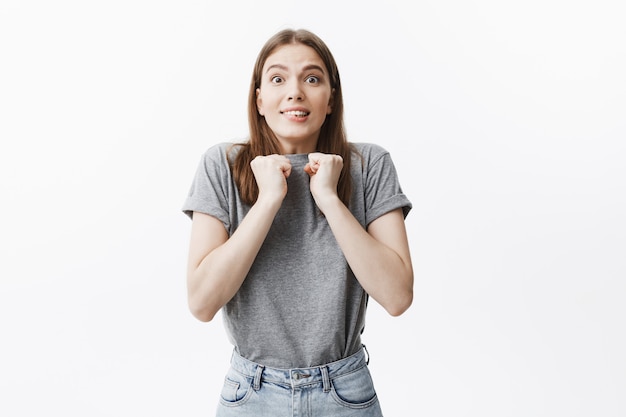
[
  {"x": 219, "y": 150},
  {"x": 368, "y": 153},
  {"x": 222, "y": 153}
]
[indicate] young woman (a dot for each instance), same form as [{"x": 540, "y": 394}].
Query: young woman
[{"x": 292, "y": 231}]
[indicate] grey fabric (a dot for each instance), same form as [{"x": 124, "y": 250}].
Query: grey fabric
[{"x": 300, "y": 304}]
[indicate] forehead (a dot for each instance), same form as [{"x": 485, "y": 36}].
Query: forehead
[{"x": 294, "y": 55}]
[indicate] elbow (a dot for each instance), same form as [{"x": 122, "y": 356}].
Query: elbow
[
  {"x": 201, "y": 311},
  {"x": 402, "y": 297},
  {"x": 202, "y": 314},
  {"x": 202, "y": 305},
  {"x": 400, "y": 304}
]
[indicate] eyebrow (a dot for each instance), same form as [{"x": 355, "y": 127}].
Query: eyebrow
[{"x": 306, "y": 68}]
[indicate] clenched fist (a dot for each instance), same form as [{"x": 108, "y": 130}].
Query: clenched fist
[
  {"x": 271, "y": 173},
  {"x": 324, "y": 171}
]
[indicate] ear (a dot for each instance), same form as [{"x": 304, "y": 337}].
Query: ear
[
  {"x": 259, "y": 102},
  {"x": 331, "y": 101}
]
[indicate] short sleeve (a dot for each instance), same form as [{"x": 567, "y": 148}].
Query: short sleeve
[
  {"x": 383, "y": 192},
  {"x": 209, "y": 192}
]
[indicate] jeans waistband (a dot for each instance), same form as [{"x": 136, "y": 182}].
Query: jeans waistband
[{"x": 298, "y": 377}]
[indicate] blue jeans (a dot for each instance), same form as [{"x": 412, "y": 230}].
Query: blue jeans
[{"x": 338, "y": 389}]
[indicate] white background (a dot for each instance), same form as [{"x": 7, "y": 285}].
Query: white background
[{"x": 506, "y": 121}]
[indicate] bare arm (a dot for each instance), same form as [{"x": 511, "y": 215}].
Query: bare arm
[
  {"x": 217, "y": 264},
  {"x": 379, "y": 257}
]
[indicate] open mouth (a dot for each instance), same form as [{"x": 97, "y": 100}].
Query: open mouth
[{"x": 296, "y": 113}]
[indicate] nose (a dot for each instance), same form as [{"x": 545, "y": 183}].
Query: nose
[{"x": 295, "y": 92}]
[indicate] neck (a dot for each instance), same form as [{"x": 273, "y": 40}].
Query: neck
[{"x": 288, "y": 147}]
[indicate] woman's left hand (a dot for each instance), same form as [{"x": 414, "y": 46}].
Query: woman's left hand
[{"x": 324, "y": 171}]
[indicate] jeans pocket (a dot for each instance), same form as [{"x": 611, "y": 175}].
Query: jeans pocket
[
  {"x": 236, "y": 389},
  {"x": 354, "y": 390}
]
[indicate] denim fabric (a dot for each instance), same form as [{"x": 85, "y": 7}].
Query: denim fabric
[{"x": 339, "y": 389}]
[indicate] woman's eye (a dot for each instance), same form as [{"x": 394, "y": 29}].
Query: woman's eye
[
  {"x": 276, "y": 79},
  {"x": 312, "y": 79}
]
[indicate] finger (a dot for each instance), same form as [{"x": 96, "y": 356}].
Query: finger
[
  {"x": 309, "y": 170},
  {"x": 281, "y": 162},
  {"x": 286, "y": 168},
  {"x": 315, "y": 159},
  {"x": 311, "y": 167}
]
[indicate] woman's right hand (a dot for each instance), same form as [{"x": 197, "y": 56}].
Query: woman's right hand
[
  {"x": 271, "y": 173},
  {"x": 219, "y": 263}
]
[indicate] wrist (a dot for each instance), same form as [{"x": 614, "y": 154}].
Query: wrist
[
  {"x": 328, "y": 203},
  {"x": 269, "y": 202}
]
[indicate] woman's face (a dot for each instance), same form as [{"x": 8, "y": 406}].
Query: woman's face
[{"x": 295, "y": 96}]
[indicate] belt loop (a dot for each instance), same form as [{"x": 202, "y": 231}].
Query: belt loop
[
  {"x": 367, "y": 361},
  {"x": 257, "y": 378},
  {"x": 325, "y": 379}
]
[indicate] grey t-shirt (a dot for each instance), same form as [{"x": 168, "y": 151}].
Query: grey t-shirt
[{"x": 300, "y": 305}]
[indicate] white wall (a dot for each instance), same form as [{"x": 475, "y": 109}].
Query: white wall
[{"x": 506, "y": 123}]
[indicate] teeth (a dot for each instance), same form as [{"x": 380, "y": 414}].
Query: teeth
[{"x": 297, "y": 113}]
